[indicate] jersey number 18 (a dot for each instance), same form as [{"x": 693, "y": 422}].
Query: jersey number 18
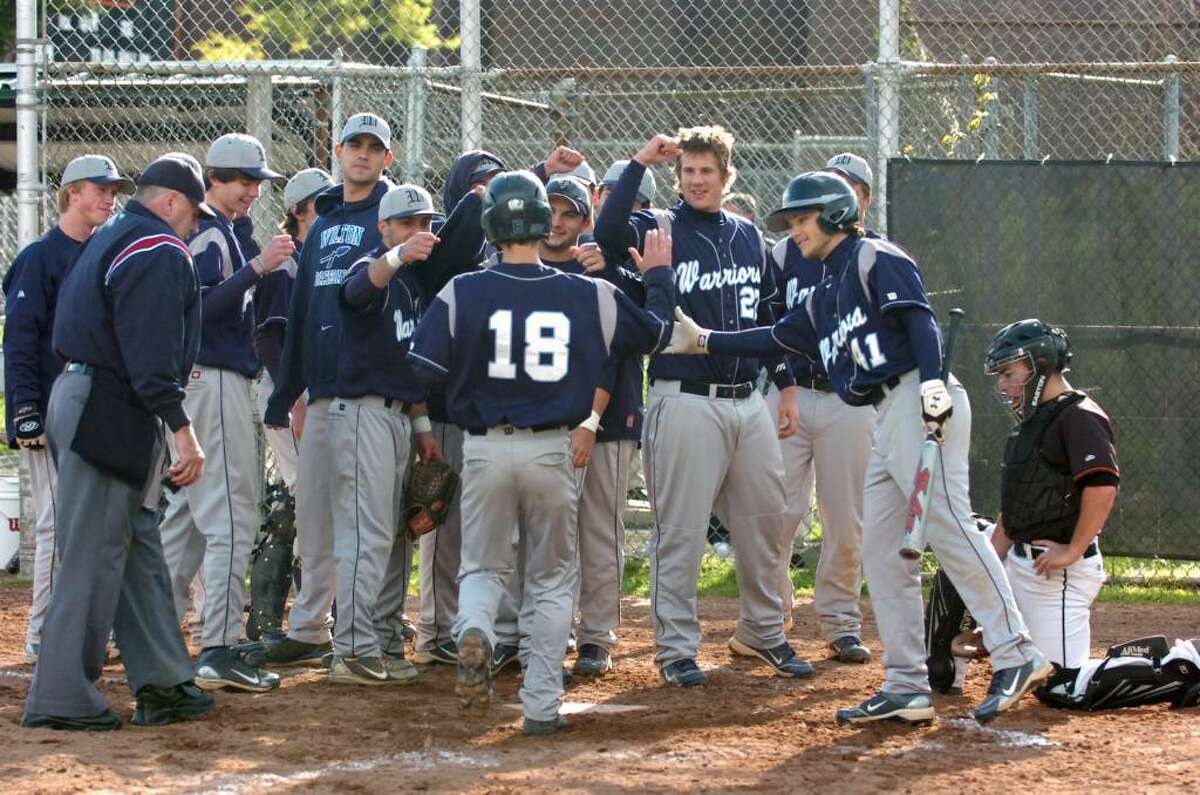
[{"x": 547, "y": 337}]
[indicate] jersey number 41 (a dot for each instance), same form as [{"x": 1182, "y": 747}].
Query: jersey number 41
[{"x": 547, "y": 343}]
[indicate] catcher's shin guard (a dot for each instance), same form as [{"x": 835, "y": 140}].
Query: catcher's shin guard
[
  {"x": 944, "y": 617},
  {"x": 271, "y": 569}
]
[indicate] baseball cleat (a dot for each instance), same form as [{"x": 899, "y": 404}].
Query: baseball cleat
[
  {"x": 593, "y": 660},
  {"x": 505, "y": 655},
  {"x": 367, "y": 671},
  {"x": 684, "y": 673},
  {"x": 288, "y": 651},
  {"x": 31, "y": 652},
  {"x": 106, "y": 721},
  {"x": 400, "y": 670},
  {"x": 158, "y": 706},
  {"x": 474, "y": 683},
  {"x": 849, "y": 649},
  {"x": 220, "y": 667},
  {"x": 782, "y": 658},
  {"x": 901, "y": 707},
  {"x": 1009, "y": 684},
  {"x": 542, "y": 728},
  {"x": 444, "y": 653}
]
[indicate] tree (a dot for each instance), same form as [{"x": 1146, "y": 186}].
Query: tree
[{"x": 291, "y": 28}]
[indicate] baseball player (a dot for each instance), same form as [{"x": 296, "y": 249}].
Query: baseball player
[
  {"x": 90, "y": 185},
  {"x": 519, "y": 348},
  {"x": 742, "y": 204},
  {"x": 347, "y": 225},
  {"x": 605, "y": 444},
  {"x": 128, "y": 326},
  {"x": 372, "y": 435},
  {"x": 831, "y": 445},
  {"x": 872, "y": 328},
  {"x": 709, "y": 443},
  {"x": 210, "y": 525},
  {"x": 440, "y": 549}
]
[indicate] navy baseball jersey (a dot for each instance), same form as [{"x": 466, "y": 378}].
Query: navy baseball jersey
[
  {"x": 339, "y": 236},
  {"x": 526, "y": 344},
  {"x": 621, "y": 377},
  {"x": 796, "y": 276},
  {"x": 722, "y": 278},
  {"x": 227, "y": 318},
  {"x": 377, "y": 329},
  {"x": 131, "y": 305},
  {"x": 30, "y": 298},
  {"x": 850, "y": 321}
]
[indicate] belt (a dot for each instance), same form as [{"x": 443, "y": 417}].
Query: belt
[
  {"x": 509, "y": 430},
  {"x": 1092, "y": 550},
  {"x": 817, "y": 383},
  {"x": 723, "y": 391},
  {"x": 381, "y": 402},
  {"x": 880, "y": 391},
  {"x": 79, "y": 367}
]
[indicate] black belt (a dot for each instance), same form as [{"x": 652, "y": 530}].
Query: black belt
[
  {"x": 549, "y": 426},
  {"x": 1092, "y": 550},
  {"x": 724, "y": 391},
  {"x": 404, "y": 404},
  {"x": 817, "y": 383},
  {"x": 79, "y": 367},
  {"x": 880, "y": 391}
]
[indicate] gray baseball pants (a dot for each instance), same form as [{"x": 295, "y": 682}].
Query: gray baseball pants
[
  {"x": 602, "y": 542},
  {"x": 705, "y": 455},
  {"x": 43, "y": 482},
  {"x": 284, "y": 446},
  {"x": 831, "y": 445},
  {"x": 965, "y": 554},
  {"x": 372, "y": 446},
  {"x": 309, "y": 618},
  {"x": 113, "y": 577},
  {"x": 514, "y": 477},
  {"x": 211, "y": 523},
  {"x": 441, "y": 556}
]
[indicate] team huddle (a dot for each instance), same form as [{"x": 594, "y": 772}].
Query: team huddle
[{"x": 526, "y": 342}]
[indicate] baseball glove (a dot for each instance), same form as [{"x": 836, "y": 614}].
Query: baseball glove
[
  {"x": 969, "y": 644},
  {"x": 427, "y": 497}
]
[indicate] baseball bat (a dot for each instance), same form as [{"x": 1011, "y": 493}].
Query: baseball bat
[{"x": 912, "y": 543}]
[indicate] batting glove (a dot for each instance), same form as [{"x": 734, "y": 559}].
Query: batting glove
[
  {"x": 686, "y": 336},
  {"x": 936, "y": 406},
  {"x": 27, "y": 420}
]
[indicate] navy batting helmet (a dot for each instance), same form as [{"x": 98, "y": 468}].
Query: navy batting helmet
[
  {"x": 1045, "y": 348},
  {"x": 818, "y": 190},
  {"x": 515, "y": 208}
]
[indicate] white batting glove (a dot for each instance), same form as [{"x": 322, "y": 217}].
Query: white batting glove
[
  {"x": 936, "y": 406},
  {"x": 686, "y": 336}
]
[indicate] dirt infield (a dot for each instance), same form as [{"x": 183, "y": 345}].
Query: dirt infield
[{"x": 748, "y": 730}]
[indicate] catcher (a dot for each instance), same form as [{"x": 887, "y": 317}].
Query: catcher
[{"x": 1058, "y": 487}]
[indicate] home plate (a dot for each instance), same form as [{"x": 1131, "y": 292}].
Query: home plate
[{"x": 580, "y": 708}]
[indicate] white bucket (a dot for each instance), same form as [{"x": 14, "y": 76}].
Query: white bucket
[{"x": 10, "y": 517}]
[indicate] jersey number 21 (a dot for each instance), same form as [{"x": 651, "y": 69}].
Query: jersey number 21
[{"x": 547, "y": 342}]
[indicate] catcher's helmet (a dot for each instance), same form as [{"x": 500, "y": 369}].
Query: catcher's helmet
[
  {"x": 1045, "y": 348},
  {"x": 818, "y": 190},
  {"x": 515, "y": 208}
]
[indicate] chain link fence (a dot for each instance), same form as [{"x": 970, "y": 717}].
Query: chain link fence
[{"x": 795, "y": 82}]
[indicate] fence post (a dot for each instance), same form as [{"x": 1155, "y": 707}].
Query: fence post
[
  {"x": 337, "y": 114},
  {"x": 471, "y": 57},
  {"x": 1171, "y": 114},
  {"x": 887, "y": 142},
  {"x": 1029, "y": 120},
  {"x": 414, "y": 119},
  {"x": 991, "y": 122},
  {"x": 259, "y": 97},
  {"x": 564, "y": 114},
  {"x": 871, "y": 106}
]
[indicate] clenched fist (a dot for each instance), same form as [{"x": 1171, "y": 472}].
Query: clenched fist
[
  {"x": 278, "y": 249},
  {"x": 562, "y": 160},
  {"x": 658, "y": 149},
  {"x": 936, "y": 406},
  {"x": 418, "y": 247}
]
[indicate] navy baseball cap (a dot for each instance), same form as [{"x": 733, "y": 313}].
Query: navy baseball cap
[
  {"x": 180, "y": 173},
  {"x": 486, "y": 166}
]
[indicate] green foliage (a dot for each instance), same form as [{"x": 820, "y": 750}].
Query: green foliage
[
  {"x": 984, "y": 97},
  {"x": 300, "y": 28}
]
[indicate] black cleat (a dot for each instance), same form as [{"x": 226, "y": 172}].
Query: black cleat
[
  {"x": 222, "y": 667},
  {"x": 592, "y": 660},
  {"x": 782, "y": 658},
  {"x": 158, "y": 706},
  {"x": 907, "y": 708},
  {"x": 544, "y": 728},
  {"x": 106, "y": 721},
  {"x": 505, "y": 655},
  {"x": 1009, "y": 684},
  {"x": 849, "y": 649},
  {"x": 684, "y": 673}
]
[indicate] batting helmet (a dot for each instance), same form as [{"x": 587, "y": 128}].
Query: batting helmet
[
  {"x": 1044, "y": 348},
  {"x": 817, "y": 190},
  {"x": 515, "y": 208}
]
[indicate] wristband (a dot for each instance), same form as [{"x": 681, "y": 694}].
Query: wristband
[
  {"x": 592, "y": 423},
  {"x": 393, "y": 257},
  {"x": 422, "y": 424}
]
